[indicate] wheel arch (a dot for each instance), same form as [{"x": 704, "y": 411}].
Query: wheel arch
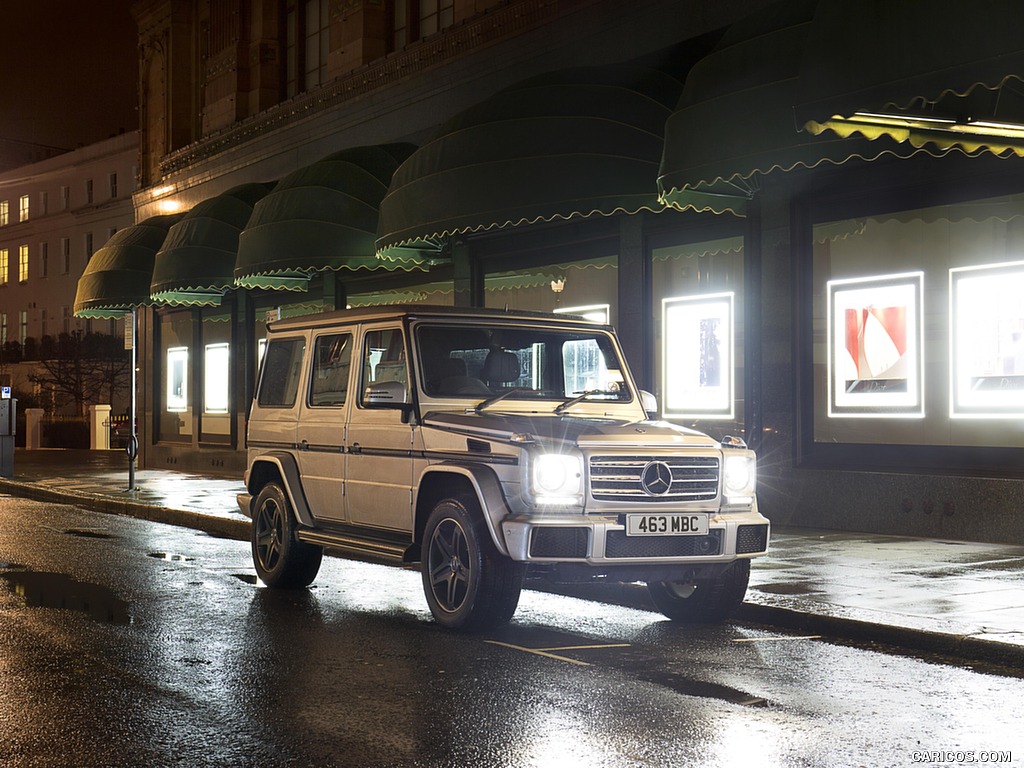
[
  {"x": 443, "y": 481},
  {"x": 280, "y": 468}
]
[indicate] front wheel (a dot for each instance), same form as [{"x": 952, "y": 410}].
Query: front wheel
[
  {"x": 281, "y": 560},
  {"x": 468, "y": 583},
  {"x": 702, "y": 600}
]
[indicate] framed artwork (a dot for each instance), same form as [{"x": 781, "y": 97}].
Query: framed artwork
[
  {"x": 698, "y": 379},
  {"x": 216, "y": 372},
  {"x": 177, "y": 379},
  {"x": 874, "y": 343},
  {"x": 986, "y": 331}
]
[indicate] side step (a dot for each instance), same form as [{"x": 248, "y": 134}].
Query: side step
[{"x": 388, "y": 552}]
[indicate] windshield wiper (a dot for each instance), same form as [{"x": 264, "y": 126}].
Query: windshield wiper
[
  {"x": 559, "y": 409},
  {"x": 492, "y": 400}
]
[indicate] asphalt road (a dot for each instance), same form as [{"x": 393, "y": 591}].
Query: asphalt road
[{"x": 131, "y": 643}]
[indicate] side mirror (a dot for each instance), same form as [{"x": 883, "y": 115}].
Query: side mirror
[
  {"x": 649, "y": 402},
  {"x": 393, "y": 393}
]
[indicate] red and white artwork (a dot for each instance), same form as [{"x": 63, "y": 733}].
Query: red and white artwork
[
  {"x": 874, "y": 356},
  {"x": 876, "y": 342}
]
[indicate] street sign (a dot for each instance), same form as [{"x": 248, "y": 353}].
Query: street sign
[{"x": 5, "y": 393}]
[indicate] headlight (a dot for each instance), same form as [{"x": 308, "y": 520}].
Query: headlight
[
  {"x": 557, "y": 478},
  {"x": 740, "y": 478}
]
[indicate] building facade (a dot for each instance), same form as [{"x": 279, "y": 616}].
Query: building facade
[
  {"x": 54, "y": 214},
  {"x": 803, "y": 234}
]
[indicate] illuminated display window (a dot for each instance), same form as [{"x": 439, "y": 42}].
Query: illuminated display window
[
  {"x": 874, "y": 340},
  {"x": 986, "y": 330},
  {"x": 697, "y": 355},
  {"x": 217, "y": 378},
  {"x": 918, "y": 327},
  {"x": 697, "y": 292},
  {"x": 177, "y": 379}
]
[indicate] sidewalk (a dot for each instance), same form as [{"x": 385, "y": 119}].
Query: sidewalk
[{"x": 958, "y": 598}]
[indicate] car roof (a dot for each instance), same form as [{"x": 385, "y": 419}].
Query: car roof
[{"x": 416, "y": 311}]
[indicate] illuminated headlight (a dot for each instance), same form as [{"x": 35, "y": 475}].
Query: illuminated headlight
[
  {"x": 557, "y": 478},
  {"x": 740, "y": 477}
]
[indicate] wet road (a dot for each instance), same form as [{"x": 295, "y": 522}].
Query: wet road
[{"x": 165, "y": 652}]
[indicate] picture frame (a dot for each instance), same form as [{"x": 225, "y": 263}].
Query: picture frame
[
  {"x": 986, "y": 332},
  {"x": 875, "y": 365},
  {"x": 698, "y": 349}
]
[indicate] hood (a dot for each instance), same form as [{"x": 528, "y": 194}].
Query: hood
[{"x": 582, "y": 432}]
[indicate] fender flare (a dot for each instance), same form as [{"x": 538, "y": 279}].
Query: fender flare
[
  {"x": 288, "y": 470},
  {"x": 488, "y": 493}
]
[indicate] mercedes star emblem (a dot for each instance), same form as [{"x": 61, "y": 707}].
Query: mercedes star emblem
[{"x": 656, "y": 478}]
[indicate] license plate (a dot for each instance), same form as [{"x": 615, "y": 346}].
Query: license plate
[{"x": 667, "y": 524}]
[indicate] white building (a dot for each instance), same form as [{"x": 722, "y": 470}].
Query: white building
[{"x": 54, "y": 214}]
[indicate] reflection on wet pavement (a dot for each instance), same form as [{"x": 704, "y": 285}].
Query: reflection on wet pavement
[{"x": 56, "y": 590}]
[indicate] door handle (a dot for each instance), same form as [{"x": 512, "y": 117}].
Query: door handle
[
  {"x": 355, "y": 448},
  {"x": 304, "y": 445}
]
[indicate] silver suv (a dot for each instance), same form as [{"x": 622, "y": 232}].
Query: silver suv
[{"x": 487, "y": 447}]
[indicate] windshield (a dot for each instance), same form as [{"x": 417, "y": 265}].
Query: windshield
[{"x": 480, "y": 362}]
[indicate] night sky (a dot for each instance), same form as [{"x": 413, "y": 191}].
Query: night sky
[{"x": 68, "y": 71}]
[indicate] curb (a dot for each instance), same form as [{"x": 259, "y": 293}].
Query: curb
[
  {"x": 215, "y": 526},
  {"x": 963, "y": 647}
]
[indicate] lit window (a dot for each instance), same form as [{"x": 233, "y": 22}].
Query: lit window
[
  {"x": 3, "y": 266},
  {"x": 3, "y": 213},
  {"x": 23, "y": 208},
  {"x": 698, "y": 350},
  {"x": 177, "y": 379},
  {"x": 23, "y": 264},
  {"x": 3, "y": 327},
  {"x": 217, "y": 375}
]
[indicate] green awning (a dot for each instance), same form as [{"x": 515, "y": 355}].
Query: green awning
[
  {"x": 117, "y": 277},
  {"x": 735, "y": 123},
  {"x": 946, "y": 74},
  {"x": 568, "y": 144},
  {"x": 321, "y": 217},
  {"x": 196, "y": 264}
]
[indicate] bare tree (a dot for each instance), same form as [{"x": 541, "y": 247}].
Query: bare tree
[{"x": 83, "y": 369}]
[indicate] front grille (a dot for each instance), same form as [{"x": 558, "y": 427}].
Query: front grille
[
  {"x": 559, "y": 542},
  {"x": 751, "y": 538},
  {"x": 620, "y": 478},
  {"x": 618, "y": 544}
]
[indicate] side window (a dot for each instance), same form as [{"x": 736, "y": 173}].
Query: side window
[
  {"x": 332, "y": 358},
  {"x": 282, "y": 364},
  {"x": 385, "y": 372}
]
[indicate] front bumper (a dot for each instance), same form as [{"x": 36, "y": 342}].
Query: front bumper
[{"x": 601, "y": 541}]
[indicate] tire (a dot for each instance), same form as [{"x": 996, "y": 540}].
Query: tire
[
  {"x": 281, "y": 560},
  {"x": 469, "y": 584},
  {"x": 702, "y": 600}
]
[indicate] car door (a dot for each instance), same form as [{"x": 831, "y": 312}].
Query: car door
[
  {"x": 320, "y": 436},
  {"x": 272, "y": 423},
  {"x": 379, "y": 465}
]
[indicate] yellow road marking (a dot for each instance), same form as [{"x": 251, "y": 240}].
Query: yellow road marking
[{"x": 547, "y": 652}]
